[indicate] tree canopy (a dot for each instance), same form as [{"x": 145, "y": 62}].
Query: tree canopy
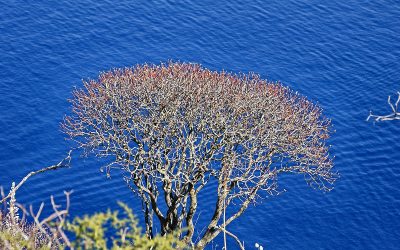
[{"x": 174, "y": 128}]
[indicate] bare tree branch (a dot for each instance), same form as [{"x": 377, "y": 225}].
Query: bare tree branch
[
  {"x": 233, "y": 236},
  {"x": 65, "y": 163},
  {"x": 393, "y": 116},
  {"x": 58, "y": 218}
]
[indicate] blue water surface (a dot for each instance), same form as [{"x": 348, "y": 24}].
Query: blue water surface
[{"x": 342, "y": 54}]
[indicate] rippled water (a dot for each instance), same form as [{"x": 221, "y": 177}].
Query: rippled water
[{"x": 342, "y": 54}]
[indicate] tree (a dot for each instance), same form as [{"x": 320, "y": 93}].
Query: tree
[{"x": 176, "y": 128}]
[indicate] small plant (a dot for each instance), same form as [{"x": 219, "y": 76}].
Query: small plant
[
  {"x": 107, "y": 230},
  {"x": 91, "y": 233},
  {"x": 101, "y": 230},
  {"x": 15, "y": 232}
]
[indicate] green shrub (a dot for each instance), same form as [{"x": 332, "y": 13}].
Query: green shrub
[{"x": 91, "y": 231}]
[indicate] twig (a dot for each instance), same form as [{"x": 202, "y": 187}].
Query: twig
[
  {"x": 37, "y": 222},
  {"x": 57, "y": 229},
  {"x": 65, "y": 163},
  {"x": 2, "y": 193},
  {"x": 225, "y": 247},
  {"x": 233, "y": 236},
  {"x": 61, "y": 215}
]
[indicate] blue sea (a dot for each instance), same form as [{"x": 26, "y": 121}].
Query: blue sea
[{"x": 343, "y": 55}]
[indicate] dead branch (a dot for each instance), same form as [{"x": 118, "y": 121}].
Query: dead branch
[
  {"x": 233, "y": 236},
  {"x": 395, "y": 115},
  {"x": 65, "y": 163}
]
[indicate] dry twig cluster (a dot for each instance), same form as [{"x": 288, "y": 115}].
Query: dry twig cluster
[
  {"x": 393, "y": 116},
  {"x": 16, "y": 233}
]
